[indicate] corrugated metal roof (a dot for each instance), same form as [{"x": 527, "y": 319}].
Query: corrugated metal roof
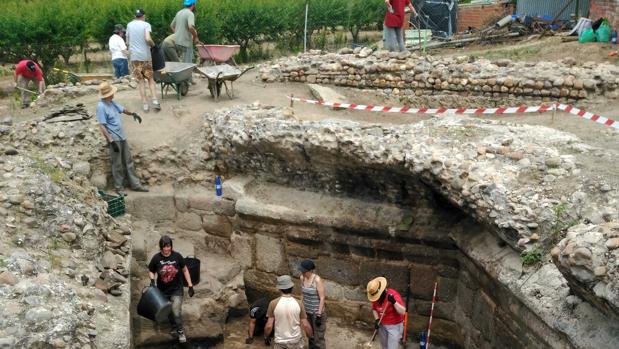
[{"x": 551, "y": 8}]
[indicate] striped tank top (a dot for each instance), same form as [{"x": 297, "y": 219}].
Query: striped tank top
[{"x": 311, "y": 301}]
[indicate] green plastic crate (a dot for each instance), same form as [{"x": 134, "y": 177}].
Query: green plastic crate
[{"x": 115, "y": 204}]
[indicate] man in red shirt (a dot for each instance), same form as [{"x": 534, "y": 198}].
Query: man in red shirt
[
  {"x": 386, "y": 301},
  {"x": 394, "y": 21},
  {"x": 25, "y": 72}
]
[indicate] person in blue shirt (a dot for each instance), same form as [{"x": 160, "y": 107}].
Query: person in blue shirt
[{"x": 110, "y": 125}]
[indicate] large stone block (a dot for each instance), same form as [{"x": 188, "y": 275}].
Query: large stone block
[
  {"x": 397, "y": 275},
  {"x": 209, "y": 202},
  {"x": 152, "y": 206},
  {"x": 465, "y": 299},
  {"x": 340, "y": 270},
  {"x": 270, "y": 255},
  {"x": 222, "y": 267},
  {"x": 241, "y": 249},
  {"x": 484, "y": 314},
  {"x": 216, "y": 224},
  {"x": 447, "y": 289},
  {"x": 189, "y": 221},
  {"x": 422, "y": 280},
  {"x": 338, "y": 292}
]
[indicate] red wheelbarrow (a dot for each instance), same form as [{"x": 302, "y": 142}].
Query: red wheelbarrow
[{"x": 217, "y": 54}]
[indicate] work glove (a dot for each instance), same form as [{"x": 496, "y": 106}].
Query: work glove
[
  {"x": 376, "y": 324},
  {"x": 190, "y": 292},
  {"x": 114, "y": 147},
  {"x": 136, "y": 118},
  {"x": 267, "y": 341},
  {"x": 391, "y": 299},
  {"x": 318, "y": 320},
  {"x": 152, "y": 282},
  {"x": 249, "y": 340}
]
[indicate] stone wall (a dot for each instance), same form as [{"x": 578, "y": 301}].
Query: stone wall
[
  {"x": 356, "y": 182},
  {"x": 266, "y": 230},
  {"x": 407, "y": 76},
  {"x": 478, "y": 15},
  {"x": 606, "y": 8},
  {"x": 199, "y": 225}
]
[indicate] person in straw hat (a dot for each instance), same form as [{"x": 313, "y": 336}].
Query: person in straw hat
[
  {"x": 386, "y": 301},
  {"x": 287, "y": 315},
  {"x": 110, "y": 125}
]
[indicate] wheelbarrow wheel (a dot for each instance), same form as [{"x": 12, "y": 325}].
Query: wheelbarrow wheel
[
  {"x": 211, "y": 89},
  {"x": 184, "y": 87}
]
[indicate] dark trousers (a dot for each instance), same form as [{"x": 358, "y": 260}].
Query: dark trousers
[
  {"x": 318, "y": 340},
  {"x": 122, "y": 164}
]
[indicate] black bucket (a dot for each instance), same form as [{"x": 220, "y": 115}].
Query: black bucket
[
  {"x": 157, "y": 58},
  {"x": 193, "y": 265},
  {"x": 153, "y": 305}
]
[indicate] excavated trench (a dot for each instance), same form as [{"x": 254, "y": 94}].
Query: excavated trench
[{"x": 373, "y": 223}]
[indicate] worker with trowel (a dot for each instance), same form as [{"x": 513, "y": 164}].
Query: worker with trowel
[
  {"x": 388, "y": 310},
  {"x": 27, "y": 71}
]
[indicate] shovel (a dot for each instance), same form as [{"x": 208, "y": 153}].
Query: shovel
[
  {"x": 368, "y": 345},
  {"x": 26, "y": 90}
]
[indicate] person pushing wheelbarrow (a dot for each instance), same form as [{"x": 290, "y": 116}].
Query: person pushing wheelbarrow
[{"x": 388, "y": 310}]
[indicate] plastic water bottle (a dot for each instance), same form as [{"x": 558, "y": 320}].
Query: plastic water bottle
[
  {"x": 422, "y": 341},
  {"x": 218, "y": 190},
  {"x": 613, "y": 37}
]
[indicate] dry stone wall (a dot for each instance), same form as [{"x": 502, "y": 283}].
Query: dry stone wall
[{"x": 409, "y": 76}]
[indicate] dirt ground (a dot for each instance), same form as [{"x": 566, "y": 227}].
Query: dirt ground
[
  {"x": 535, "y": 49},
  {"x": 340, "y": 335}
]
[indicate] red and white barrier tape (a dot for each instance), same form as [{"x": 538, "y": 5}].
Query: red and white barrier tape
[
  {"x": 589, "y": 116},
  {"x": 467, "y": 111}
]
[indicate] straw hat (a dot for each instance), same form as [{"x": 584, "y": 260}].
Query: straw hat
[
  {"x": 106, "y": 90},
  {"x": 375, "y": 288},
  {"x": 284, "y": 282}
]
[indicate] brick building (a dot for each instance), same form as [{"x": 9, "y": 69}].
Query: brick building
[
  {"x": 606, "y": 8},
  {"x": 479, "y": 15}
]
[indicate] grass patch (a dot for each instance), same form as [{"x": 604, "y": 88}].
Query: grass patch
[
  {"x": 54, "y": 173},
  {"x": 563, "y": 221},
  {"x": 531, "y": 257},
  {"x": 513, "y": 53}
]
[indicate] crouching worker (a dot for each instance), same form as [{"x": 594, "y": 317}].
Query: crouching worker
[
  {"x": 386, "y": 301},
  {"x": 166, "y": 267},
  {"x": 257, "y": 320},
  {"x": 110, "y": 125}
]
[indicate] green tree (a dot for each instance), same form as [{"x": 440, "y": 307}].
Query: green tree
[{"x": 362, "y": 14}]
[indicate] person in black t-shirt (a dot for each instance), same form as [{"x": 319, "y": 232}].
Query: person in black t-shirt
[
  {"x": 257, "y": 320},
  {"x": 166, "y": 266}
]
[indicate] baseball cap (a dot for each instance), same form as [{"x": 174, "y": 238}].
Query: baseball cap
[
  {"x": 189, "y": 2},
  {"x": 139, "y": 13},
  {"x": 307, "y": 265},
  {"x": 119, "y": 28},
  {"x": 31, "y": 66}
]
